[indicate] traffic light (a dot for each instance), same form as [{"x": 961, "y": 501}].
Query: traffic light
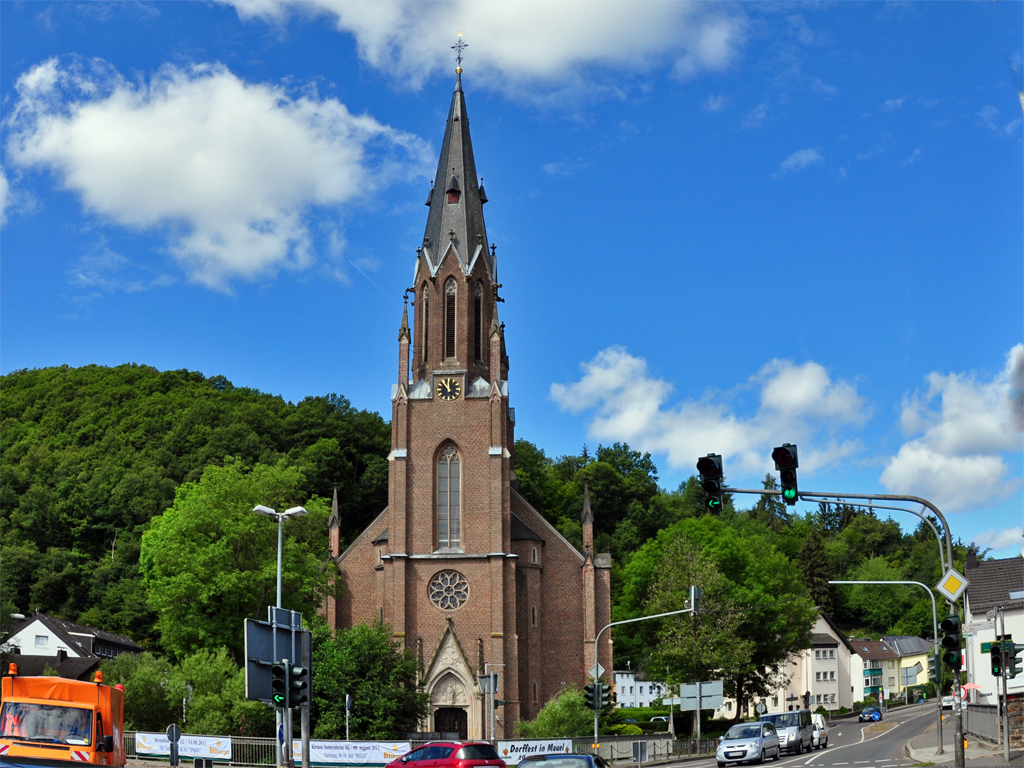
[
  {"x": 298, "y": 687},
  {"x": 996, "y": 653},
  {"x": 935, "y": 669},
  {"x": 710, "y": 468},
  {"x": 786, "y": 464},
  {"x": 696, "y": 593},
  {"x": 1011, "y": 651},
  {"x": 279, "y": 685},
  {"x": 951, "y": 641},
  {"x": 606, "y": 695},
  {"x": 590, "y": 690}
]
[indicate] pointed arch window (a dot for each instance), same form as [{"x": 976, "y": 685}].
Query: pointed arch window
[
  {"x": 478, "y": 322},
  {"x": 424, "y": 318},
  {"x": 449, "y": 318},
  {"x": 449, "y": 499}
]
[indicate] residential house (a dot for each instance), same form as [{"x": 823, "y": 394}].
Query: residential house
[
  {"x": 632, "y": 690},
  {"x": 816, "y": 676},
  {"x": 991, "y": 584},
  {"x": 43, "y": 635},
  {"x": 874, "y": 669},
  {"x": 914, "y": 655}
]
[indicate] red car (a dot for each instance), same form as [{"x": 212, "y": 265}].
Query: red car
[{"x": 450, "y": 754}]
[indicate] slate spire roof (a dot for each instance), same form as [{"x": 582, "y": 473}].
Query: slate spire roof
[{"x": 458, "y": 225}]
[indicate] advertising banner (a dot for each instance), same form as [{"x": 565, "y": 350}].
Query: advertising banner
[
  {"x": 361, "y": 753},
  {"x": 157, "y": 745},
  {"x": 517, "y": 750}
]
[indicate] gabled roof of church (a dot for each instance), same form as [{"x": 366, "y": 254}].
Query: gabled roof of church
[
  {"x": 518, "y": 530},
  {"x": 456, "y": 172}
]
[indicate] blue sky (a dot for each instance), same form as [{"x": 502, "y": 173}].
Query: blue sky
[{"x": 719, "y": 227}]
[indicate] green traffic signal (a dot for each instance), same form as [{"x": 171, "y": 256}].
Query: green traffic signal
[
  {"x": 951, "y": 641},
  {"x": 996, "y": 654},
  {"x": 786, "y": 463},
  {"x": 710, "y": 469},
  {"x": 279, "y": 685}
]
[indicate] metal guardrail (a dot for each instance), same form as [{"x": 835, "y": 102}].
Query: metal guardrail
[{"x": 982, "y": 720}]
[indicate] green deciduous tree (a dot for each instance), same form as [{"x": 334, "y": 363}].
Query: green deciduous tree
[
  {"x": 565, "y": 716},
  {"x": 366, "y": 663},
  {"x": 209, "y": 562}
]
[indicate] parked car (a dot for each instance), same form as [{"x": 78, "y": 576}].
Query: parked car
[
  {"x": 450, "y": 754},
  {"x": 659, "y": 719},
  {"x": 629, "y": 719},
  {"x": 819, "y": 735},
  {"x": 559, "y": 760},
  {"x": 947, "y": 702},
  {"x": 753, "y": 742},
  {"x": 794, "y": 729},
  {"x": 870, "y": 713}
]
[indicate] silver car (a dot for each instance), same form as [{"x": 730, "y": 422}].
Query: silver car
[{"x": 751, "y": 742}]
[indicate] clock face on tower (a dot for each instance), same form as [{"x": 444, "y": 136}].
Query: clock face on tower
[{"x": 448, "y": 388}]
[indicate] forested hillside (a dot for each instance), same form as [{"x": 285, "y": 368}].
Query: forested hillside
[
  {"x": 95, "y": 460},
  {"x": 89, "y": 456}
]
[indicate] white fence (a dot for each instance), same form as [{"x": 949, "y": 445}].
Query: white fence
[{"x": 982, "y": 720}]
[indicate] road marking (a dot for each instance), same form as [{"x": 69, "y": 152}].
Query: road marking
[{"x": 856, "y": 762}]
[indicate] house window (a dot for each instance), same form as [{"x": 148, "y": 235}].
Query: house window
[
  {"x": 892, "y": 681},
  {"x": 832, "y": 698},
  {"x": 448, "y": 499},
  {"x": 533, "y": 555},
  {"x": 728, "y": 706},
  {"x": 892, "y": 663},
  {"x": 42, "y": 641},
  {"x": 831, "y": 675},
  {"x": 478, "y": 322},
  {"x": 817, "y": 699},
  {"x": 424, "y": 319},
  {"x": 535, "y": 692},
  {"x": 775, "y": 702},
  {"x": 817, "y": 676},
  {"x": 449, "y": 318},
  {"x": 631, "y": 689},
  {"x": 380, "y": 555},
  {"x": 533, "y": 615},
  {"x": 832, "y": 653},
  {"x": 382, "y": 614},
  {"x": 817, "y": 654}
]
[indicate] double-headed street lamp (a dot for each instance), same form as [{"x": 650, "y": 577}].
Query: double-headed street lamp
[{"x": 259, "y": 509}]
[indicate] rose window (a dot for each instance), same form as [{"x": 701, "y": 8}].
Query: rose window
[{"x": 448, "y": 590}]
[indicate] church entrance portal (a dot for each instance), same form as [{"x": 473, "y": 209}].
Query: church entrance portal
[{"x": 452, "y": 720}]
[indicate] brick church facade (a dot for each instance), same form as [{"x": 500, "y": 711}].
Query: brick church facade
[{"x": 466, "y": 572}]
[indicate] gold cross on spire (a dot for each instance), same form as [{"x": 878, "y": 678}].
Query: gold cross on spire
[{"x": 459, "y": 47}]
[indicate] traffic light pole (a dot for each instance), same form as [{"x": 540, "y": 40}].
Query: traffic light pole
[
  {"x": 597, "y": 640},
  {"x": 935, "y": 635},
  {"x": 1006, "y": 691},
  {"x": 958, "y": 738}
]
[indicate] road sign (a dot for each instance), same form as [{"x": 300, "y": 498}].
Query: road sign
[
  {"x": 280, "y": 733},
  {"x": 595, "y": 671},
  {"x": 710, "y": 696},
  {"x": 173, "y": 733},
  {"x": 761, "y": 708},
  {"x": 267, "y": 644},
  {"x": 952, "y": 585}
]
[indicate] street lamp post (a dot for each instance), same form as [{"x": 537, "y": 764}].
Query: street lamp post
[{"x": 284, "y": 757}]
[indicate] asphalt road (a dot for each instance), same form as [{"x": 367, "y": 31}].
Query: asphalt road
[{"x": 850, "y": 745}]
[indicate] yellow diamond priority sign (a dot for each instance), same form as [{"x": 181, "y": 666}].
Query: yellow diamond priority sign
[{"x": 952, "y": 585}]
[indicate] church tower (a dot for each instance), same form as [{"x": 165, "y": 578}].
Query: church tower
[{"x": 467, "y": 574}]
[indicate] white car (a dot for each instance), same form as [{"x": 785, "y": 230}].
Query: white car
[
  {"x": 819, "y": 735},
  {"x": 947, "y": 702}
]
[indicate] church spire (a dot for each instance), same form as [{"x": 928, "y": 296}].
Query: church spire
[{"x": 456, "y": 272}]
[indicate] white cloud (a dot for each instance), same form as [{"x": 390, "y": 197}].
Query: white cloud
[
  {"x": 990, "y": 119},
  {"x": 800, "y": 29},
  {"x": 956, "y": 461},
  {"x": 5, "y": 196},
  {"x": 797, "y": 402},
  {"x": 228, "y": 169},
  {"x": 566, "y": 167},
  {"x": 912, "y": 157},
  {"x": 893, "y": 104},
  {"x": 514, "y": 43},
  {"x": 756, "y": 117},
  {"x": 801, "y": 159},
  {"x": 715, "y": 103},
  {"x": 1007, "y": 537}
]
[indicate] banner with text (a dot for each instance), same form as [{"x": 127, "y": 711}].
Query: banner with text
[
  {"x": 157, "y": 745},
  {"x": 361, "y": 753},
  {"x": 517, "y": 750}
]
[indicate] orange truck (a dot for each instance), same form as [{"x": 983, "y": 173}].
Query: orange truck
[{"x": 53, "y": 721}]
